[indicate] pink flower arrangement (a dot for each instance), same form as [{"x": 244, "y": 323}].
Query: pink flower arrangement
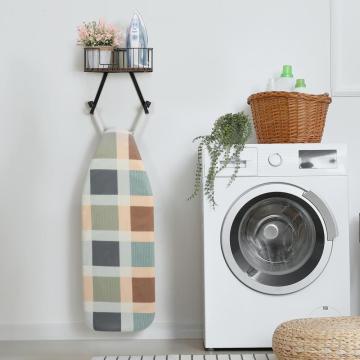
[{"x": 98, "y": 34}]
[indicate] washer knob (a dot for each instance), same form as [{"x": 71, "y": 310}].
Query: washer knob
[{"x": 275, "y": 159}]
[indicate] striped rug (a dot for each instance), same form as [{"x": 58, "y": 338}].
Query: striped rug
[{"x": 232, "y": 356}]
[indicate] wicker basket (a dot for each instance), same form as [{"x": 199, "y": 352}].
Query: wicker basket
[
  {"x": 318, "y": 339},
  {"x": 289, "y": 117}
]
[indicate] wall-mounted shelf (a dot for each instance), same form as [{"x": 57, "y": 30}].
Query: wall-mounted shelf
[
  {"x": 122, "y": 60},
  {"x": 134, "y": 70}
]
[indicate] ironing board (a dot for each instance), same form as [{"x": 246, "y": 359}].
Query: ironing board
[{"x": 118, "y": 238}]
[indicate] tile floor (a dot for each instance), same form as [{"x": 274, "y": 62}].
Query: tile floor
[{"x": 87, "y": 349}]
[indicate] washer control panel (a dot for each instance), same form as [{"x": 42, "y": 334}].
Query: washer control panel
[
  {"x": 301, "y": 159},
  {"x": 275, "y": 159},
  {"x": 248, "y": 164},
  {"x": 285, "y": 160}
]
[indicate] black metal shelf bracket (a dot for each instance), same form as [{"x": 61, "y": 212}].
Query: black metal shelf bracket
[
  {"x": 93, "y": 104},
  {"x": 145, "y": 104}
]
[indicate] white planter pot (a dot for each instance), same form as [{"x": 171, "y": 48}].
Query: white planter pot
[
  {"x": 99, "y": 57},
  {"x": 106, "y": 55}
]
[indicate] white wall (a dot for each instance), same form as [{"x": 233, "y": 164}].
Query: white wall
[{"x": 209, "y": 56}]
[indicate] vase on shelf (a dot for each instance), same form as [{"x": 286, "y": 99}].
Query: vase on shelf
[{"x": 99, "y": 57}]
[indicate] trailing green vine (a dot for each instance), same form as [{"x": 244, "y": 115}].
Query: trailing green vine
[{"x": 224, "y": 145}]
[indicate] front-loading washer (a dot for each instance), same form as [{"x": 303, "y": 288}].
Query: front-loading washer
[{"x": 277, "y": 246}]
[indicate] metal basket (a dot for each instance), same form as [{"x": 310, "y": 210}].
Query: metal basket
[{"x": 109, "y": 59}]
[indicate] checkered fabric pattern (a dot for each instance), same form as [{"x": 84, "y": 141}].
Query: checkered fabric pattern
[{"x": 118, "y": 238}]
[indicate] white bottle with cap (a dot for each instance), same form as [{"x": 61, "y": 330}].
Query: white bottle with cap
[
  {"x": 286, "y": 80},
  {"x": 300, "y": 86}
]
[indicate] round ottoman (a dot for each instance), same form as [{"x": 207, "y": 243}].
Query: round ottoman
[{"x": 318, "y": 339}]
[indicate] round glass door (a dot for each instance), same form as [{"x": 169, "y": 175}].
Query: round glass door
[{"x": 275, "y": 242}]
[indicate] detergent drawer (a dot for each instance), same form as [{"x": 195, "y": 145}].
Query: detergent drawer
[{"x": 248, "y": 164}]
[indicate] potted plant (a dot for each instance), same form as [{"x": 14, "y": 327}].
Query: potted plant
[
  {"x": 99, "y": 38},
  {"x": 224, "y": 145}
]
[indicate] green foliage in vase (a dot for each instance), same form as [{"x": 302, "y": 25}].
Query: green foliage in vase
[{"x": 224, "y": 145}]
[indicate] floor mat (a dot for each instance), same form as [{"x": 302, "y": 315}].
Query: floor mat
[{"x": 232, "y": 356}]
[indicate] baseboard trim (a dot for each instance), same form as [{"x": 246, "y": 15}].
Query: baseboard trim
[{"x": 79, "y": 331}]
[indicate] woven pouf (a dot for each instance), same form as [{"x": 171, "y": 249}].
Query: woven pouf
[{"x": 318, "y": 339}]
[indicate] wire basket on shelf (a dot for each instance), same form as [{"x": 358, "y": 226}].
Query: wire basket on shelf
[
  {"x": 109, "y": 59},
  {"x": 289, "y": 117}
]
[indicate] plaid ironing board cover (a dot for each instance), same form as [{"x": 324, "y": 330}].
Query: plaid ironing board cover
[{"x": 118, "y": 238}]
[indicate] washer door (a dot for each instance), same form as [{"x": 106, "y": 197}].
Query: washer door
[{"x": 277, "y": 238}]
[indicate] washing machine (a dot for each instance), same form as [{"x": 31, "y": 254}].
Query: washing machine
[{"x": 277, "y": 246}]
